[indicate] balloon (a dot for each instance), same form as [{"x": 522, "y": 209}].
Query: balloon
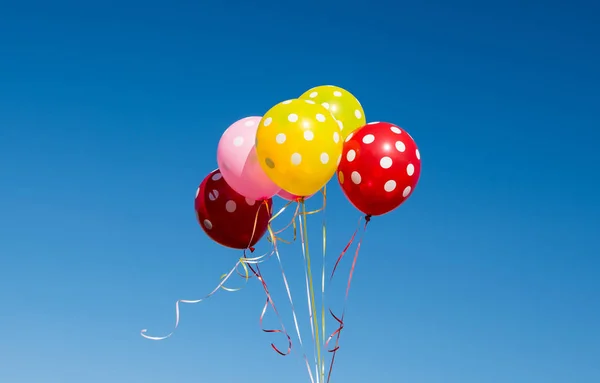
[
  {"x": 289, "y": 196},
  {"x": 236, "y": 156},
  {"x": 229, "y": 218},
  {"x": 380, "y": 167},
  {"x": 342, "y": 104},
  {"x": 298, "y": 145}
]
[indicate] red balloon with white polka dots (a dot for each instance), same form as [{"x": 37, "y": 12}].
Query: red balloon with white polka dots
[
  {"x": 228, "y": 217},
  {"x": 380, "y": 167}
]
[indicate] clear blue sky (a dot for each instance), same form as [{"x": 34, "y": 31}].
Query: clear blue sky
[{"x": 110, "y": 114}]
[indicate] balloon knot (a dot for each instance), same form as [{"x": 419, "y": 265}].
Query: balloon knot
[
  {"x": 368, "y": 218},
  {"x": 251, "y": 249}
]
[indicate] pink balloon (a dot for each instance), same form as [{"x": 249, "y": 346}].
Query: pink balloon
[
  {"x": 289, "y": 196},
  {"x": 236, "y": 156}
]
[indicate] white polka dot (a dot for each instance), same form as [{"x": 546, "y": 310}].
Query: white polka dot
[
  {"x": 313, "y": 95},
  {"x": 216, "y": 176},
  {"x": 280, "y": 138},
  {"x": 410, "y": 169},
  {"x": 213, "y": 195},
  {"x": 400, "y": 146},
  {"x": 287, "y": 102},
  {"x": 339, "y": 160},
  {"x": 373, "y": 123},
  {"x": 351, "y": 155},
  {"x": 418, "y": 154},
  {"x": 309, "y": 135},
  {"x": 324, "y": 158},
  {"x": 296, "y": 159},
  {"x": 249, "y": 123},
  {"x": 267, "y": 121},
  {"x": 389, "y": 186},
  {"x": 349, "y": 137},
  {"x": 238, "y": 141},
  {"x": 337, "y": 93},
  {"x": 340, "y": 124},
  {"x": 207, "y": 224},
  {"x": 320, "y": 117},
  {"x": 368, "y": 139},
  {"x": 326, "y": 105},
  {"x": 230, "y": 206},
  {"x": 355, "y": 177},
  {"x": 357, "y": 113},
  {"x": 406, "y": 191},
  {"x": 250, "y": 202},
  {"x": 386, "y": 162},
  {"x": 336, "y": 137},
  {"x": 341, "y": 177},
  {"x": 395, "y": 129},
  {"x": 293, "y": 117},
  {"x": 310, "y": 102}
]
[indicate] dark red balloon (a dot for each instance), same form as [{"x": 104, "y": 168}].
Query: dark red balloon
[
  {"x": 228, "y": 217},
  {"x": 380, "y": 167}
]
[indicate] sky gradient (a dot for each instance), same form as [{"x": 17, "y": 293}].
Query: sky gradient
[{"x": 110, "y": 115}]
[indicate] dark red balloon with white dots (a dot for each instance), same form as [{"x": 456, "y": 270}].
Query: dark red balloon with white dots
[
  {"x": 228, "y": 217},
  {"x": 380, "y": 167}
]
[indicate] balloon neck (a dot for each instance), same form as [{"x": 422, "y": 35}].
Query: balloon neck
[
  {"x": 368, "y": 218},
  {"x": 251, "y": 249}
]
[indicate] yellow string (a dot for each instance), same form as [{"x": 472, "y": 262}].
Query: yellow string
[
  {"x": 311, "y": 288},
  {"x": 324, "y": 192},
  {"x": 324, "y": 226}
]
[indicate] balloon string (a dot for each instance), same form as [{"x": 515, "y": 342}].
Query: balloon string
[
  {"x": 323, "y": 324},
  {"x": 340, "y": 320},
  {"x": 343, "y": 253},
  {"x": 310, "y": 287},
  {"x": 289, "y": 294},
  {"x": 257, "y": 273},
  {"x": 255, "y": 226},
  {"x": 264, "y": 203},
  {"x": 275, "y": 234},
  {"x": 292, "y": 222},
  {"x": 324, "y": 193},
  {"x": 244, "y": 275},
  {"x": 312, "y": 329},
  {"x": 244, "y": 262}
]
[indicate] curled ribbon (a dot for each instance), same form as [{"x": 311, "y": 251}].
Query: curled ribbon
[
  {"x": 245, "y": 262},
  {"x": 270, "y": 302},
  {"x": 340, "y": 320}
]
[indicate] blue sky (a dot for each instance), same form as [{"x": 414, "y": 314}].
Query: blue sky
[{"x": 110, "y": 114}]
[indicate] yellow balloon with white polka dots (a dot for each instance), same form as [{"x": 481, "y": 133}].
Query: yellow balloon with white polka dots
[
  {"x": 342, "y": 104},
  {"x": 299, "y": 145}
]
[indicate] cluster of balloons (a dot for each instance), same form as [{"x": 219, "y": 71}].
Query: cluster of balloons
[{"x": 292, "y": 152}]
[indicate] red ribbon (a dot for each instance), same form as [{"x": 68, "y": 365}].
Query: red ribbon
[
  {"x": 259, "y": 276},
  {"x": 340, "y": 320}
]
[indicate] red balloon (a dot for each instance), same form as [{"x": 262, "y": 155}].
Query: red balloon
[
  {"x": 229, "y": 218},
  {"x": 380, "y": 167}
]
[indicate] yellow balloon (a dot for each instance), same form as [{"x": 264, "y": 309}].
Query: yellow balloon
[
  {"x": 342, "y": 104},
  {"x": 299, "y": 146}
]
